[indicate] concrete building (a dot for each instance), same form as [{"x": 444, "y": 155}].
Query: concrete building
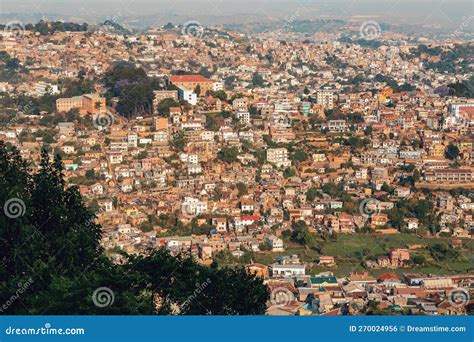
[
  {"x": 187, "y": 95},
  {"x": 89, "y": 103},
  {"x": 288, "y": 270},
  {"x": 450, "y": 176},
  {"x": 325, "y": 97},
  {"x": 193, "y": 206},
  {"x": 279, "y": 157},
  {"x": 192, "y": 81},
  {"x": 43, "y": 88}
]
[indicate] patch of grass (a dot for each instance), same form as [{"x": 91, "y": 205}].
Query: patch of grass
[
  {"x": 348, "y": 245},
  {"x": 349, "y": 253}
]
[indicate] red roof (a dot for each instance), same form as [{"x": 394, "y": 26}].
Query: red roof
[
  {"x": 335, "y": 312},
  {"x": 188, "y": 78},
  {"x": 250, "y": 218},
  {"x": 387, "y": 276}
]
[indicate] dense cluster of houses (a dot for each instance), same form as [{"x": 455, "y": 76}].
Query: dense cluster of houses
[
  {"x": 293, "y": 292},
  {"x": 243, "y": 158}
]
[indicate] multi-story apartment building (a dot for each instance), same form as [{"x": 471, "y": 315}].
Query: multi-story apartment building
[
  {"x": 193, "y": 206},
  {"x": 187, "y": 95},
  {"x": 240, "y": 104},
  {"x": 325, "y": 97},
  {"x": 243, "y": 117},
  {"x": 93, "y": 103},
  {"x": 89, "y": 103},
  {"x": 190, "y": 82},
  {"x": 279, "y": 157},
  {"x": 337, "y": 125},
  {"x": 68, "y": 103},
  {"x": 450, "y": 176},
  {"x": 42, "y": 88}
]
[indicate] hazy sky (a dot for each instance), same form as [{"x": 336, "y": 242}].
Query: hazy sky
[{"x": 447, "y": 12}]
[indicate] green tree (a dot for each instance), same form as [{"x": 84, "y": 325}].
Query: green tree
[
  {"x": 197, "y": 90},
  {"x": 300, "y": 155},
  {"x": 302, "y": 236},
  {"x": 257, "y": 79},
  {"x": 452, "y": 152},
  {"x": 228, "y": 154},
  {"x": 312, "y": 194},
  {"x": 133, "y": 88},
  {"x": 442, "y": 251},
  {"x": 419, "y": 260},
  {"x": 165, "y": 105},
  {"x": 90, "y": 174},
  {"x": 178, "y": 141},
  {"x": 220, "y": 94},
  {"x": 242, "y": 189}
]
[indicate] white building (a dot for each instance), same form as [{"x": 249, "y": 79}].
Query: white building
[
  {"x": 106, "y": 205},
  {"x": 207, "y": 135},
  {"x": 187, "y": 95},
  {"x": 68, "y": 149},
  {"x": 160, "y": 136},
  {"x": 189, "y": 158},
  {"x": 194, "y": 169},
  {"x": 288, "y": 270},
  {"x": 43, "y": 88},
  {"x": 244, "y": 117},
  {"x": 325, "y": 97},
  {"x": 193, "y": 206},
  {"x": 279, "y": 157},
  {"x": 412, "y": 223},
  {"x": 132, "y": 139},
  {"x": 276, "y": 243},
  {"x": 361, "y": 174},
  {"x": 461, "y": 115},
  {"x": 337, "y": 126}
]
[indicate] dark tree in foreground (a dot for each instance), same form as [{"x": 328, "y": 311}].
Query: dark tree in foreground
[{"x": 51, "y": 261}]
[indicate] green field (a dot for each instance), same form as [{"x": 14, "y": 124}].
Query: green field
[{"x": 350, "y": 250}]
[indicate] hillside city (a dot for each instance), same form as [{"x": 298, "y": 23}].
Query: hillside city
[{"x": 340, "y": 170}]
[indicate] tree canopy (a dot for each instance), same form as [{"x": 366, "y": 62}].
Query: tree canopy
[{"x": 133, "y": 88}]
